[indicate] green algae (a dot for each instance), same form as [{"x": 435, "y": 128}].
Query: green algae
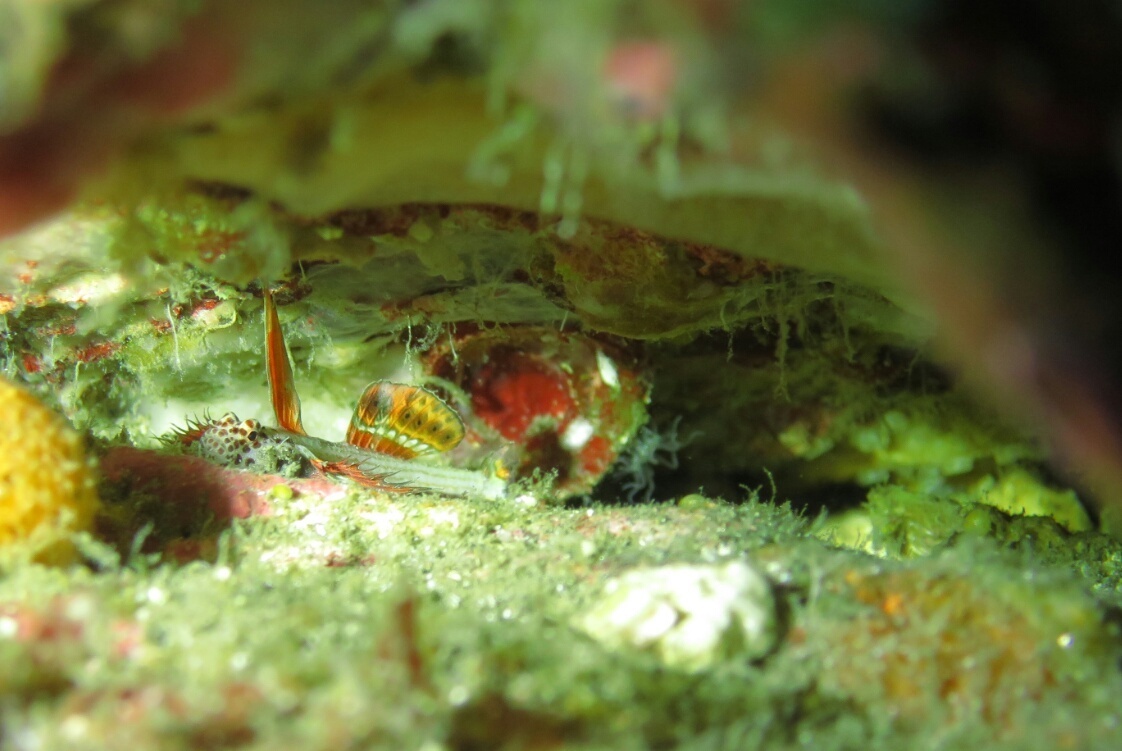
[
  {"x": 350, "y": 620},
  {"x": 425, "y": 621}
]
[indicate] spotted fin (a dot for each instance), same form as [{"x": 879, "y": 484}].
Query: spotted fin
[
  {"x": 282, "y": 387},
  {"x": 404, "y": 421}
]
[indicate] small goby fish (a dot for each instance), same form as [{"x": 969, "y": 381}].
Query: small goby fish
[{"x": 392, "y": 424}]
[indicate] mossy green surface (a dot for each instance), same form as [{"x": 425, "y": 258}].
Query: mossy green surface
[
  {"x": 753, "y": 285},
  {"x": 420, "y": 622},
  {"x": 349, "y": 619}
]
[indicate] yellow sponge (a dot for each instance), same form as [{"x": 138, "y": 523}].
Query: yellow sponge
[{"x": 47, "y": 486}]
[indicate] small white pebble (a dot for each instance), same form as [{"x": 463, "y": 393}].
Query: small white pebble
[
  {"x": 691, "y": 616},
  {"x": 156, "y": 596},
  {"x": 609, "y": 374},
  {"x": 8, "y": 627},
  {"x": 579, "y": 433},
  {"x": 223, "y": 573}
]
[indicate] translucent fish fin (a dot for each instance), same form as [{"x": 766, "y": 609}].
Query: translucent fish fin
[
  {"x": 282, "y": 387},
  {"x": 357, "y": 474},
  {"x": 405, "y": 421}
]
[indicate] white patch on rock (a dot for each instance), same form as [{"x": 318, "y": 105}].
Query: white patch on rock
[
  {"x": 578, "y": 434},
  {"x": 608, "y": 372},
  {"x": 691, "y": 616}
]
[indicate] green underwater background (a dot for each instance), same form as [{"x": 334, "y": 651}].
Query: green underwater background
[{"x": 757, "y": 451}]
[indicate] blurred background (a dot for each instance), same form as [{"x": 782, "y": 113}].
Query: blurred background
[{"x": 982, "y": 143}]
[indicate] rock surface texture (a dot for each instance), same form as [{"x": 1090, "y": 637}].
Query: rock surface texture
[{"x": 758, "y": 449}]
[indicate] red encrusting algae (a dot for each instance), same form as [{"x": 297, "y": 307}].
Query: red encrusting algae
[{"x": 546, "y": 401}]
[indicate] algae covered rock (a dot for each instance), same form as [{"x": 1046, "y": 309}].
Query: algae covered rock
[{"x": 643, "y": 251}]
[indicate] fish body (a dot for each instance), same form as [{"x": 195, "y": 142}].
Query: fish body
[{"x": 393, "y": 423}]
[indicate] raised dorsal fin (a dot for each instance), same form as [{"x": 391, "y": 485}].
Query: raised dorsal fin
[{"x": 282, "y": 387}]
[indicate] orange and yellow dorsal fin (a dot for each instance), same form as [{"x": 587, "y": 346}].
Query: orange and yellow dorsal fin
[
  {"x": 282, "y": 387},
  {"x": 404, "y": 421}
]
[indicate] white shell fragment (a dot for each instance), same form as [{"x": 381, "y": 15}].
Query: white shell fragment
[{"x": 691, "y": 616}]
